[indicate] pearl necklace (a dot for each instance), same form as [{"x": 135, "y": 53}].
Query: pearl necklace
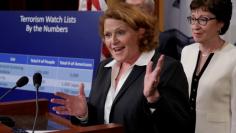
[
  {"x": 212, "y": 50},
  {"x": 205, "y": 55}
]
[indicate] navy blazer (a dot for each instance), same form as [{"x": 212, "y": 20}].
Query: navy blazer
[{"x": 130, "y": 107}]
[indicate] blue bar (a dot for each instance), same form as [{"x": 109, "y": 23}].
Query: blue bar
[
  {"x": 76, "y": 63},
  {"x": 43, "y": 60},
  {"x": 13, "y": 58}
]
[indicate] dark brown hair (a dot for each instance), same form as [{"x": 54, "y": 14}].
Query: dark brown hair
[{"x": 222, "y": 9}]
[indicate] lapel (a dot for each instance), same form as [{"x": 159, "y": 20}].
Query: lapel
[
  {"x": 193, "y": 61},
  {"x": 136, "y": 73},
  {"x": 106, "y": 84},
  {"x": 100, "y": 94}
]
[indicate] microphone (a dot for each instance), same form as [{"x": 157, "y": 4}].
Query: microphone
[
  {"x": 37, "y": 80},
  {"x": 20, "y": 82}
]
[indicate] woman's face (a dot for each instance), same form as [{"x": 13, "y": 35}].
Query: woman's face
[
  {"x": 209, "y": 27},
  {"x": 121, "y": 40}
]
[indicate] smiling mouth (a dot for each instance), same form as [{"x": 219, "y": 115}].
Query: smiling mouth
[
  {"x": 118, "y": 49},
  {"x": 197, "y": 34}
]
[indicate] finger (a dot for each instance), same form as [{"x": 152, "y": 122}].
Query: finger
[
  {"x": 81, "y": 89},
  {"x": 159, "y": 65},
  {"x": 62, "y": 95},
  {"x": 161, "y": 60},
  {"x": 149, "y": 67},
  {"x": 58, "y": 101},
  {"x": 64, "y": 112},
  {"x": 59, "y": 108}
]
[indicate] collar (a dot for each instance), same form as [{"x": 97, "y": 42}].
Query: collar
[{"x": 143, "y": 59}]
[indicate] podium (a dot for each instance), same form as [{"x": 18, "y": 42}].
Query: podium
[{"x": 23, "y": 112}]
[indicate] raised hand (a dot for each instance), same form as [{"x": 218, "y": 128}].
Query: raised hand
[
  {"x": 70, "y": 104},
  {"x": 151, "y": 80}
]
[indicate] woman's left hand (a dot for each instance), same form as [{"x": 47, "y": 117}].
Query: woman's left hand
[
  {"x": 151, "y": 80},
  {"x": 70, "y": 104}
]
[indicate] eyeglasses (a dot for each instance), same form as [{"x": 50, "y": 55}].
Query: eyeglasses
[{"x": 202, "y": 20}]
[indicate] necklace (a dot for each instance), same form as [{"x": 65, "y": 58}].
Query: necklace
[
  {"x": 209, "y": 51},
  {"x": 205, "y": 55}
]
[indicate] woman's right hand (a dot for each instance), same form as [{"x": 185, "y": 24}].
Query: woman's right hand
[
  {"x": 70, "y": 104},
  {"x": 151, "y": 80}
]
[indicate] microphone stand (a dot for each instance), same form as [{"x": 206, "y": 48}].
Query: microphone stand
[
  {"x": 36, "y": 106},
  {"x": 19, "y": 83},
  {"x": 37, "y": 80},
  {"x": 4, "y": 119},
  {"x": 8, "y": 91}
]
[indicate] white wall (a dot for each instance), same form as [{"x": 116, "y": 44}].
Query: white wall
[
  {"x": 185, "y": 12},
  {"x": 231, "y": 33},
  {"x": 172, "y": 16},
  {"x": 176, "y": 18}
]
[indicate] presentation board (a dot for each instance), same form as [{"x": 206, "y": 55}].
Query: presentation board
[{"x": 64, "y": 46}]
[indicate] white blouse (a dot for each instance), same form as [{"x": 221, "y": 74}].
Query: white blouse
[{"x": 143, "y": 60}]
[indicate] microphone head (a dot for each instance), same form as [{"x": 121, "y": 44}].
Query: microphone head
[
  {"x": 37, "y": 80},
  {"x": 22, "y": 81}
]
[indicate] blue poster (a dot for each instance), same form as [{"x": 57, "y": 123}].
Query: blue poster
[{"x": 64, "y": 46}]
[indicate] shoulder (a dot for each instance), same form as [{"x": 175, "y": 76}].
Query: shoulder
[
  {"x": 170, "y": 64},
  {"x": 190, "y": 48},
  {"x": 101, "y": 67},
  {"x": 228, "y": 52},
  {"x": 230, "y": 49},
  {"x": 105, "y": 62},
  {"x": 169, "y": 61}
]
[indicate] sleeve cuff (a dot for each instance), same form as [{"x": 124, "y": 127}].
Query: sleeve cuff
[{"x": 83, "y": 120}]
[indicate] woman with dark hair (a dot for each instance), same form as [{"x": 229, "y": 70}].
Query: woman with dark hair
[
  {"x": 138, "y": 87},
  {"x": 210, "y": 66}
]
